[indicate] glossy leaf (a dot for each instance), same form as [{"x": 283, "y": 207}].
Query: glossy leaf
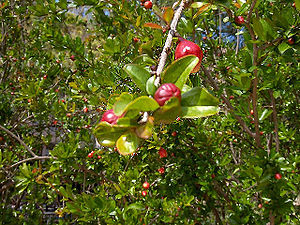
[
  {"x": 127, "y": 143},
  {"x": 198, "y": 97},
  {"x": 138, "y": 74},
  {"x": 199, "y": 111},
  {"x": 168, "y": 112},
  {"x": 144, "y": 59},
  {"x": 142, "y": 104},
  {"x": 121, "y": 103},
  {"x": 150, "y": 87},
  {"x": 178, "y": 72},
  {"x": 168, "y": 15},
  {"x": 153, "y": 26}
]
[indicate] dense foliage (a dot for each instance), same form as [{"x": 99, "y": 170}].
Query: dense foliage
[{"x": 64, "y": 63}]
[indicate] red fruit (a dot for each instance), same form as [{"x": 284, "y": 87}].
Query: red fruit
[
  {"x": 144, "y": 193},
  {"x": 163, "y": 153},
  {"x": 85, "y": 110},
  {"x": 54, "y": 122},
  {"x": 45, "y": 77},
  {"x": 148, "y": 5},
  {"x": 165, "y": 92},
  {"x": 252, "y": 112},
  {"x": 294, "y": 5},
  {"x": 146, "y": 185},
  {"x": 204, "y": 38},
  {"x": 161, "y": 170},
  {"x": 231, "y": 97},
  {"x": 278, "y": 176},
  {"x": 90, "y": 155},
  {"x": 269, "y": 65},
  {"x": 261, "y": 133},
  {"x": 239, "y": 20},
  {"x": 110, "y": 117},
  {"x": 1, "y": 138},
  {"x": 260, "y": 205},
  {"x": 174, "y": 134},
  {"x": 186, "y": 47},
  {"x": 213, "y": 176},
  {"x": 135, "y": 39},
  {"x": 57, "y": 61},
  {"x": 68, "y": 114},
  {"x": 28, "y": 100},
  {"x": 99, "y": 157},
  {"x": 178, "y": 119},
  {"x": 291, "y": 40},
  {"x": 72, "y": 57}
]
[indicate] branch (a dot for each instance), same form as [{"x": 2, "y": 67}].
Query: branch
[
  {"x": 19, "y": 139},
  {"x": 275, "y": 120},
  {"x": 232, "y": 109},
  {"x": 271, "y": 43},
  {"x": 33, "y": 158},
  {"x": 168, "y": 43},
  {"x": 251, "y": 11}
]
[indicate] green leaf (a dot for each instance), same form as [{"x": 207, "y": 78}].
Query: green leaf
[
  {"x": 107, "y": 135},
  {"x": 199, "y": 111},
  {"x": 144, "y": 59},
  {"x": 168, "y": 15},
  {"x": 283, "y": 47},
  {"x": 266, "y": 113},
  {"x": 142, "y": 104},
  {"x": 198, "y": 97},
  {"x": 127, "y": 143},
  {"x": 168, "y": 112},
  {"x": 150, "y": 87},
  {"x": 121, "y": 103},
  {"x": 178, "y": 72},
  {"x": 297, "y": 2},
  {"x": 138, "y": 74},
  {"x": 258, "y": 29},
  {"x": 145, "y": 131}
]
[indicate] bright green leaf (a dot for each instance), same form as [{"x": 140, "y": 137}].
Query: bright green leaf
[
  {"x": 127, "y": 143},
  {"x": 138, "y": 74},
  {"x": 199, "y": 111},
  {"x": 198, "y": 97}
]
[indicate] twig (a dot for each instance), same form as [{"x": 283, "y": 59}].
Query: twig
[
  {"x": 233, "y": 153},
  {"x": 168, "y": 43},
  {"x": 237, "y": 42},
  {"x": 33, "y": 158},
  {"x": 232, "y": 109},
  {"x": 251, "y": 11},
  {"x": 19, "y": 139},
  {"x": 270, "y": 43},
  {"x": 275, "y": 120}
]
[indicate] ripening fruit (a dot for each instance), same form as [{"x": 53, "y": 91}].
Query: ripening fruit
[
  {"x": 186, "y": 47},
  {"x": 90, "y": 155},
  {"x": 291, "y": 40},
  {"x": 252, "y": 112},
  {"x": 110, "y": 117},
  {"x": 72, "y": 57},
  {"x": 260, "y": 205},
  {"x": 146, "y": 185},
  {"x": 278, "y": 176},
  {"x": 148, "y": 5},
  {"x": 68, "y": 114},
  {"x": 213, "y": 176},
  {"x": 239, "y": 20},
  {"x": 135, "y": 39},
  {"x": 161, "y": 170},
  {"x": 165, "y": 92},
  {"x": 85, "y": 110},
  {"x": 162, "y": 153},
  {"x": 174, "y": 134},
  {"x": 144, "y": 193}
]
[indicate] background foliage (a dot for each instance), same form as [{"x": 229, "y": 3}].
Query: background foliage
[{"x": 214, "y": 172}]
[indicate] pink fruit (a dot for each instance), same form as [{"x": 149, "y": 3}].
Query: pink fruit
[
  {"x": 110, "y": 117},
  {"x": 165, "y": 92}
]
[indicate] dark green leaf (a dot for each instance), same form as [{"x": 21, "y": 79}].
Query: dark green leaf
[{"x": 198, "y": 97}]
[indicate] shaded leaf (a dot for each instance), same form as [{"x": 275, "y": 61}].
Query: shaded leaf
[
  {"x": 121, "y": 103},
  {"x": 138, "y": 74},
  {"x": 198, "y": 97}
]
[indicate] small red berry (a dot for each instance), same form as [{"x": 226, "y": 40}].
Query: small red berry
[
  {"x": 144, "y": 193},
  {"x": 278, "y": 176},
  {"x": 291, "y": 40},
  {"x": 148, "y": 5},
  {"x": 252, "y": 112},
  {"x": 178, "y": 119},
  {"x": 165, "y": 92},
  {"x": 261, "y": 132},
  {"x": 90, "y": 155},
  {"x": 161, "y": 170},
  {"x": 57, "y": 61},
  {"x": 174, "y": 134},
  {"x": 163, "y": 153},
  {"x": 231, "y": 97},
  {"x": 1, "y": 139},
  {"x": 45, "y": 77},
  {"x": 239, "y": 20},
  {"x": 204, "y": 38},
  {"x": 99, "y": 157},
  {"x": 85, "y": 110},
  {"x": 55, "y": 122},
  {"x": 146, "y": 185},
  {"x": 135, "y": 39},
  {"x": 269, "y": 65},
  {"x": 72, "y": 57},
  {"x": 260, "y": 205},
  {"x": 110, "y": 117},
  {"x": 68, "y": 114},
  {"x": 213, "y": 176}
]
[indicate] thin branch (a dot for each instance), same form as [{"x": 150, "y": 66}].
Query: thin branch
[
  {"x": 251, "y": 10},
  {"x": 168, "y": 43},
  {"x": 237, "y": 42},
  {"x": 31, "y": 159},
  {"x": 19, "y": 139},
  {"x": 275, "y": 120},
  {"x": 232, "y": 109},
  {"x": 271, "y": 43}
]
